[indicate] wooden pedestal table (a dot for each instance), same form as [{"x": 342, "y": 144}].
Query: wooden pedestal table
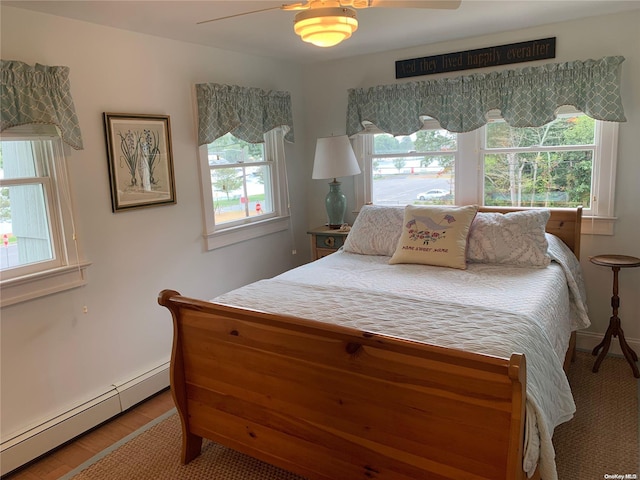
[{"x": 615, "y": 262}]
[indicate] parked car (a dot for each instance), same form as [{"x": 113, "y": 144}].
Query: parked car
[
  {"x": 216, "y": 160},
  {"x": 434, "y": 193}
]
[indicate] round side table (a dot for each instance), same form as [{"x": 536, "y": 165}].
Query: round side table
[{"x": 615, "y": 262}]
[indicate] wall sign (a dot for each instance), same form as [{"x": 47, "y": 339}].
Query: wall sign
[{"x": 479, "y": 58}]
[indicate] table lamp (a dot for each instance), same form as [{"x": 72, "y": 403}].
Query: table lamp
[{"x": 334, "y": 158}]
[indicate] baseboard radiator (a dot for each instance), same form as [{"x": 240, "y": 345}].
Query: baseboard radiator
[{"x": 30, "y": 444}]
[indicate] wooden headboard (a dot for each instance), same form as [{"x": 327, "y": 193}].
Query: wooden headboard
[{"x": 564, "y": 223}]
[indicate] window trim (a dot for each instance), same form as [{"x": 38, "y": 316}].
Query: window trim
[
  {"x": 69, "y": 269},
  {"x": 36, "y": 285},
  {"x": 469, "y": 186},
  {"x": 222, "y": 235}
]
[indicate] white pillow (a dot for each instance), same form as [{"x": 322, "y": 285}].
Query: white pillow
[
  {"x": 515, "y": 238},
  {"x": 375, "y": 231},
  {"x": 435, "y": 235}
]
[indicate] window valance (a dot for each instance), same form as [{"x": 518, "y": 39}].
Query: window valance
[
  {"x": 526, "y": 97},
  {"x": 248, "y": 113},
  {"x": 38, "y": 94}
]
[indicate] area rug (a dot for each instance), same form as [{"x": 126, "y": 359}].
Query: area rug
[
  {"x": 601, "y": 440},
  {"x": 154, "y": 454}
]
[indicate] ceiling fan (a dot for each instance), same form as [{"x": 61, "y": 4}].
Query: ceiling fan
[{"x": 326, "y": 23}]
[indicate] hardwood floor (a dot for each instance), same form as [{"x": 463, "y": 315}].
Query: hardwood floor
[{"x": 64, "y": 459}]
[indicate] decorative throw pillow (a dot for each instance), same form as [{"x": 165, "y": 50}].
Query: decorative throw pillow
[
  {"x": 515, "y": 238},
  {"x": 375, "y": 231},
  {"x": 435, "y": 235}
]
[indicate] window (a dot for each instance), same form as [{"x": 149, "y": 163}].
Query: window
[
  {"x": 240, "y": 180},
  {"x": 566, "y": 163},
  {"x": 418, "y": 169},
  {"x": 244, "y": 188},
  {"x": 39, "y": 254}
]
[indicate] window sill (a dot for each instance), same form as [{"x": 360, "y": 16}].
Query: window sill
[
  {"x": 235, "y": 235},
  {"x": 598, "y": 225},
  {"x": 29, "y": 287}
]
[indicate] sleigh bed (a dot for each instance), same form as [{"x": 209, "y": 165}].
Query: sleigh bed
[{"x": 351, "y": 368}]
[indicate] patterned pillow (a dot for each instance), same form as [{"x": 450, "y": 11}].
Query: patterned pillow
[
  {"x": 375, "y": 231},
  {"x": 515, "y": 238},
  {"x": 435, "y": 235}
]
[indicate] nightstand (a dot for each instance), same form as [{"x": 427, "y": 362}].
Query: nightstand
[{"x": 325, "y": 241}]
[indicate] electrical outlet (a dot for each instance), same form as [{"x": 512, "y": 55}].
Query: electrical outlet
[{"x": 85, "y": 309}]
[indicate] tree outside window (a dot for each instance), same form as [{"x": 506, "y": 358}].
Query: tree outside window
[{"x": 547, "y": 166}]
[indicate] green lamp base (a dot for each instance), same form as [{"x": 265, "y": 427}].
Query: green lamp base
[{"x": 336, "y": 204}]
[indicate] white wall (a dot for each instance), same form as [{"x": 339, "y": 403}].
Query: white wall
[
  {"x": 54, "y": 356},
  {"x": 576, "y": 40}
]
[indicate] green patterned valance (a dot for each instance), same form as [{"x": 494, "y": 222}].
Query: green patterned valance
[
  {"x": 526, "y": 97},
  {"x": 248, "y": 113},
  {"x": 39, "y": 94}
]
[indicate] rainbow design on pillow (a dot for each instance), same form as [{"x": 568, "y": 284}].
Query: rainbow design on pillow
[{"x": 435, "y": 235}]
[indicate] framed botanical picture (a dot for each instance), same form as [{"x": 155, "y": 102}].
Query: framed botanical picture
[{"x": 140, "y": 160}]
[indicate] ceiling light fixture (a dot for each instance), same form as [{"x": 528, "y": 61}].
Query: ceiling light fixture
[{"x": 326, "y": 27}]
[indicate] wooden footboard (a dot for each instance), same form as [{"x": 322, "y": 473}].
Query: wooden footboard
[{"x": 329, "y": 402}]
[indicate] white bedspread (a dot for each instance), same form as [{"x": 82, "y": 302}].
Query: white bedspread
[{"x": 451, "y": 308}]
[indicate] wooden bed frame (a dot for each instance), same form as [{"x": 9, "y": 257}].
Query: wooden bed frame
[{"x": 329, "y": 402}]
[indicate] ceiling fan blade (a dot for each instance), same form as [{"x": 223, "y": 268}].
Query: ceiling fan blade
[
  {"x": 240, "y": 14},
  {"x": 436, "y": 4},
  {"x": 304, "y": 5}
]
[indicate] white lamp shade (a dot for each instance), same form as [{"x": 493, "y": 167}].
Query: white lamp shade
[{"x": 334, "y": 158}]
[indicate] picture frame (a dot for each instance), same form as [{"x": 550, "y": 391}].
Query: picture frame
[{"x": 140, "y": 160}]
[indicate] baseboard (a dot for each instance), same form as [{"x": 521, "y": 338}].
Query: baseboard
[
  {"x": 589, "y": 340},
  {"x": 34, "y": 442},
  {"x": 143, "y": 386}
]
